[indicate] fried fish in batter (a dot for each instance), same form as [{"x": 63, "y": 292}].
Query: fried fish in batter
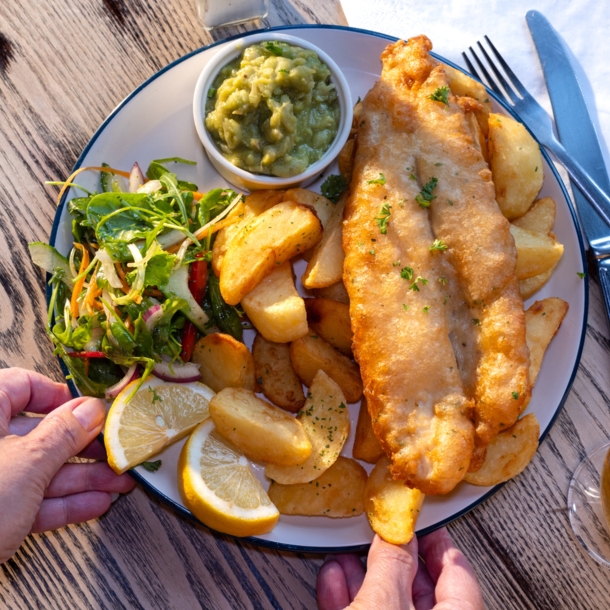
[{"x": 453, "y": 333}]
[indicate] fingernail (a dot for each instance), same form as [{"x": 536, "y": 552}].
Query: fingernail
[
  {"x": 114, "y": 497},
  {"x": 90, "y": 413}
]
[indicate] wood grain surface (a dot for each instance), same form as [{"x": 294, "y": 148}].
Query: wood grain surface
[{"x": 64, "y": 65}]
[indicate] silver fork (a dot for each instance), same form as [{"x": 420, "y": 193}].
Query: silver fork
[{"x": 538, "y": 121}]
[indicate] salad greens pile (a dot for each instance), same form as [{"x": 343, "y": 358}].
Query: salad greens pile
[{"x": 134, "y": 292}]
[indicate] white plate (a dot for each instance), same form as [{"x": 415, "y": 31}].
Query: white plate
[{"x": 156, "y": 121}]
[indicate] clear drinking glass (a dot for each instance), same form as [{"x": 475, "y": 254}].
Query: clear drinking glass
[
  {"x": 589, "y": 504},
  {"x": 217, "y": 13}
]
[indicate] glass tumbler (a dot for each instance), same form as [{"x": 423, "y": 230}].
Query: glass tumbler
[{"x": 218, "y": 13}]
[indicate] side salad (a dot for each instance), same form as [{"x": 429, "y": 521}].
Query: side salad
[{"x": 134, "y": 293}]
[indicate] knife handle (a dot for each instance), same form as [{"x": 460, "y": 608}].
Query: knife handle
[{"x": 603, "y": 267}]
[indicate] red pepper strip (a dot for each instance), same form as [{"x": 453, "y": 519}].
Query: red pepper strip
[
  {"x": 86, "y": 354},
  {"x": 198, "y": 278}
]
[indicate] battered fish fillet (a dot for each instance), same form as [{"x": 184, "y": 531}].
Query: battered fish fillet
[{"x": 431, "y": 348}]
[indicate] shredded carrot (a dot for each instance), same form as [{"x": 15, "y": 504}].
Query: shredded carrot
[
  {"x": 128, "y": 323},
  {"x": 86, "y": 366},
  {"x": 78, "y": 285},
  {"x": 153, "y": 292},
  {"x": 108, "y": 170},
  {"x": 124, "y": 285},
  {"x": 93, "y": 291}
]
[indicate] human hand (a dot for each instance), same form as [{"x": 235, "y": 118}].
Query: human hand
[
  {"x": 397, "y": 580},
  {"x": 38, "y": 490}
]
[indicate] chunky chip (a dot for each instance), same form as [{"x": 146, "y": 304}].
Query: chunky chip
[
  {"x": 330, "y": 320},
  {"x": 391, "y": 507},
  {"x": 263, "y": 432},
  {"x": 224, "y": 362},
  {"x": 542, "y": 321},
  {"x": 338, "y": 492},
  {"x": 508, "y": 453},
  {"x": 536, "y": 252},
  {"x": 366, "y": 445},
  {"x": 540, "y": 218},
  {"x": 268, "y": 240},
  {"x": 336, "y": 292},
  {"x": 325, "y": 418},
  {"x": 275, "y": 374},
  {"x": 311, "y": 354}
]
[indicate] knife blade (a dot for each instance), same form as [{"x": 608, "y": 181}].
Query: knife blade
[{"x": 577, "y": 134}]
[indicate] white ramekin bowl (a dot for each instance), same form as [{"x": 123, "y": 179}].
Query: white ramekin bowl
[{"x": 247, "y": 180}]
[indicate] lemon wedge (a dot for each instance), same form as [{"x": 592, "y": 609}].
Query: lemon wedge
[
  {"x": 219, "y": 488},
  {"x": 159, "y": 414}
]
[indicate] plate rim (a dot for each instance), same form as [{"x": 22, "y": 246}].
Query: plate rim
[{"x": 183, "y": 512}]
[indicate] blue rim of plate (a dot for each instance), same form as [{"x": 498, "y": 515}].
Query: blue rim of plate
[{"x": 356, "y": 548}]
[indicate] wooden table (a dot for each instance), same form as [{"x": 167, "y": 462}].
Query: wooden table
[{"x": 63, "y": 67}]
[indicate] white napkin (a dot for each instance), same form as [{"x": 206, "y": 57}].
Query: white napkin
[{"x": 455, "y": 25}]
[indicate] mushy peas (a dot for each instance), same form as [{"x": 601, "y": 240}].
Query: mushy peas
[{"x": 273, "y": 110}]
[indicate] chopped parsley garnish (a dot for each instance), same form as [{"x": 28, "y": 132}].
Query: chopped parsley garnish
[
  {"x": 440, "y": 95},
  {"x": 438, "y": 164},
  {"x": 395, "y": 263},
  {"x": 412, "y": 177},
  {"x": 515, "y": 395},
  {"x": 152, "y": 466},
  {"x": 426, "y": 308},
  {"x": 438, "y": 244},
  {"x": 211, "y": 92},
  {"x": 372, "y": 252},
  {"x": 333, "y": 186},
  {"x": 476, "y": 321},
  {"x": 406, "y": 307},
  {"x": 383, "y": 218},
  {"x": 442, "y": 280},
  {"x": 406, "y": 273},
  {"x": 155, "y": 396},
  {"x": 274, "y": 47},
  {"x": 581, "y": 274},
  {"x": 283, "y": 71},
  {"x": 380, "y": 180},
  {"x": 414, "y": 285},
  {"x": 425, "y": 196}
]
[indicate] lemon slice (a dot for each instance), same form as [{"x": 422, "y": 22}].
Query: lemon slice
[
  {"x": 219, "y": 488},
  {"x": 159, "y": 414}
]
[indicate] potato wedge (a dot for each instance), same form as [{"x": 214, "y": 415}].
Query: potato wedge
[
  {"x": 463, "y": 85},
  {"x": 254, "y": 204},
  {"x": 323, "y": 207},
  {"x": 346, "y": 159},
  {"x": 311, "y": 353},
  {"x": 536, "y": 252},
  {"x": 337, "y": 493},
  {"x": 542, "y": 321},
  {"x": 532, "y": 285},
  {"x": 540, "y": 218},
  {"x": 330, "y": 320},
  {"x": 336, "y": 292},
  {"x": 224, "y": 362},
  {"x": 263, "y": 432},
  {"x": 325, "y": 418},
  {"x": 366, "y": 446},
  {"x": 275, "y": 375},
  {"x": 508, "y": 453},
  {"x": 516, "y": 165},
  {"x": 391, "y": 506},
  {"x": 266, "y": 241},
  {"x": 326, "y": 264},
  {"x": 275, "y": 307}
]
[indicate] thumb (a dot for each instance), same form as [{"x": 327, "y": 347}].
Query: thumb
[
  {"x": 62, "y": 434},
  {"x": 389, "y": 578}
]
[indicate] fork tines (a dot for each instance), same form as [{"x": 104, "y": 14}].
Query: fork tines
[{"x": 508, "y": 84}]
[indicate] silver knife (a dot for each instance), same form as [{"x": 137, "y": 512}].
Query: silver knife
[{"x": 577, "y": 134}]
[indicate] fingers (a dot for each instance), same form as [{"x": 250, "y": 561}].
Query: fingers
[
  {"x": 57, "y": 512},
  {"x": 423, "y": 589},
  {"x": 78, "y": 478},
  {"x": 339, "y": 581},
  {"x": 20, "y": 426},
  {"x": 23, "y": 390},
  {"x": 63, "y": 434},
  {"x": 390, "y": 573},
  {"x": 455, "y": 579},
  {"x": 331, "y": 586}
]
